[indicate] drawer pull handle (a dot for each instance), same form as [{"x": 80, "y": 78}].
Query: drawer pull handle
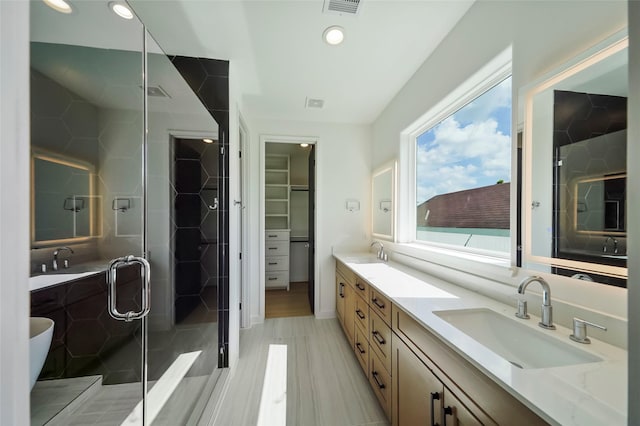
[
  {"x": 273, "y": 236},
  {"x": 376, "y": 335},
  {"x": 273, "y": 278},
  {"x": 359, "y": 346},
  {"x": 448, "y": 411},
  {"x": 360, "y": 286},
  {"x": 360, "y": 314},
  {"x": 377, "y": 303},
  {"x": 273, "y": 263},
  {"x": 434, "y": 396},
  {"x": 374, "y": 374},
  {"x": 341, "y": 291},
  {"x": 273, "y": 248}
]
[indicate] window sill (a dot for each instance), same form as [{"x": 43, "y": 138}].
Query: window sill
[{"x": 486, "y": 265}]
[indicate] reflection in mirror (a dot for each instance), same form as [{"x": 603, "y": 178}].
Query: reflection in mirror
[
  {"x": 65, "y": 204},
  {"x": 383, "y": 205},
  {"x": 575, "y": 168}
]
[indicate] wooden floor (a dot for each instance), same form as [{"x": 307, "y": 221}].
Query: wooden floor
[
  {"x": 325, "y": 384},
  {"x": 283, "y": 303}
]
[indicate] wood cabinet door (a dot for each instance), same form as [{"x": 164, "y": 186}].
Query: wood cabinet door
[
  {"x": 417, "y": 393},
  {"x": 455, "y": 413},
  {"x": 349, "y": 313},
  {"x": 341, "y": 283}
]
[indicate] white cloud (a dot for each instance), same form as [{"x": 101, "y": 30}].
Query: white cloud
[
  {"x": 484, "y": 107},
  {"x": 462, "y": 158}
]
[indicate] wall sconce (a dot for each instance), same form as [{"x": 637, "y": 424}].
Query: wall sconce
[
  {"x": 385, "y": 206},
  {"x": 122, "y": 204},
  {"x": 353, "y": 205},
  {"x": 73, "y": 204}
]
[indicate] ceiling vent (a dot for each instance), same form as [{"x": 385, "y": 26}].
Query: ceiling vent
[
  {"x": 348, "y": 7},
  {"x": 314, "y": 103},
  {"x": 156, "y": 91}
]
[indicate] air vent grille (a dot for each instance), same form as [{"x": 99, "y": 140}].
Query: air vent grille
[{"x": 342, "y": 6}]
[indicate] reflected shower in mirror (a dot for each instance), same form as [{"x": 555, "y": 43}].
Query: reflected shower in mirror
[{"x": 575, "y": 168}]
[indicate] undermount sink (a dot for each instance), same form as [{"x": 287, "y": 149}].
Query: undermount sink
[{"x": 522, "y": 346}]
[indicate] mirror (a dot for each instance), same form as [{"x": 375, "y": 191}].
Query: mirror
[
  {"x": 574, "y": 191},
  {"x": 383, "y": 201},
  {"x": 64, "y": 201}
]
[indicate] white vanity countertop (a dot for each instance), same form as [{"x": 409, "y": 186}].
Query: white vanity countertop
[
  {"x": 75, "y": 272},
  {"x": 584, "y": 394}
]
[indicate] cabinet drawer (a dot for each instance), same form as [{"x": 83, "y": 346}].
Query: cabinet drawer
[
  {"x": 361, "y": 315},
  {"x": 276, "y": 248},
  {"x": 347, "y": 273},
  {"x": 276, "y": 236},
  {"x": 276, "y": 263},
  {"x": 380, "y": 339},
  {"x": 276, "y": 279},
  {"x": 361, "y": 347},
  {"x": 362, "y": 288},
  {"x": 381, "y": 305},
  {"x": 380, "y": 381}
]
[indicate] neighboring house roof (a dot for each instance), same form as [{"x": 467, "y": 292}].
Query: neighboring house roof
[{"x": 486, "y": 207}]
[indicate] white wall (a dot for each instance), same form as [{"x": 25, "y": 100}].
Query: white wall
[
  {"x": 633, "y": 152},
  {"x": 14, "y": 222},
  {"x": 343, "y": 169},
  {"x": 543, "y": 36}
]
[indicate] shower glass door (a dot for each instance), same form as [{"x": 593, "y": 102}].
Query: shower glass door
[
  {"x": 184, "y": 200},
  {"x": 88, "y": 190}
]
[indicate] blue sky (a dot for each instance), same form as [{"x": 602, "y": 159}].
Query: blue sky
[{"x": 470, "y": 149}]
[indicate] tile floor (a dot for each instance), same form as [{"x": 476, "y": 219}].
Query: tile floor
[{"x": 325, "y": 384}]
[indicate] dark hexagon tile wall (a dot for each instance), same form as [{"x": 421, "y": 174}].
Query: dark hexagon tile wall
[{"x": 209, "y": 79}]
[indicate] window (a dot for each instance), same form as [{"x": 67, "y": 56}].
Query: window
[{"x": 463, "y": 173}]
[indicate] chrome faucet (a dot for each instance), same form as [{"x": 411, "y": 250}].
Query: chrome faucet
[
  {"x": 546, "y": 320},
  {"x": 606, "y": 242},
  {"x": 54, "y": 264},
  {"x": 381, "y": 254}
]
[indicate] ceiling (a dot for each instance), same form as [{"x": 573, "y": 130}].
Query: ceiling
[{"x": 278, "y": 57}]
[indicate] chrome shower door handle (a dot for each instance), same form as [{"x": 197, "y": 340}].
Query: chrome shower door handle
[{"x": 112, "y": 278}]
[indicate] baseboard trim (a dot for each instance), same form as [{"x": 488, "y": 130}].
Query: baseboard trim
[{"x": 325, "y": 315}]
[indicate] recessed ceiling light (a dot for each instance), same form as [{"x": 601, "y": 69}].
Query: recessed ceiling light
[
  {"x": 121, "y": 9},
  {"x": 304, "y": 145},
  {"x": 207, "y": 140},
  {"x": 333, "y": 35},
  {"x": 59, "y": 5}
]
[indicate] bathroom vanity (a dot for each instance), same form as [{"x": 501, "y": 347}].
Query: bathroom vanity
[
  {"x": 84, "y": 333},
  {"x": 436, "y": 353}
]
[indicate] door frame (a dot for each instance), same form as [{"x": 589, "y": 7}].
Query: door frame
[
  {"x": 243, "y": 237},
  {"x": 312, "y": 140}
]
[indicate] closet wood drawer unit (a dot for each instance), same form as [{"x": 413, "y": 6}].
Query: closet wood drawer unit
[
  {"x": 276, "y": 236},
  {"x": 362, "y": 288},
  {"x": 276, "y": 248},
  {"x": 276, "y": 265}
]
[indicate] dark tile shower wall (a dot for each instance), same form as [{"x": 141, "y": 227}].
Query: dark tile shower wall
[
  {"x": 195, "y": 185},
  {"x": 209, "y": 79}
]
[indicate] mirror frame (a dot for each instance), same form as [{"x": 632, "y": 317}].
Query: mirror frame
[
  {"x": 95, "y": 217},
  {"x": 389, "y": 167},
  {"x": 581, "y": 62}
]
